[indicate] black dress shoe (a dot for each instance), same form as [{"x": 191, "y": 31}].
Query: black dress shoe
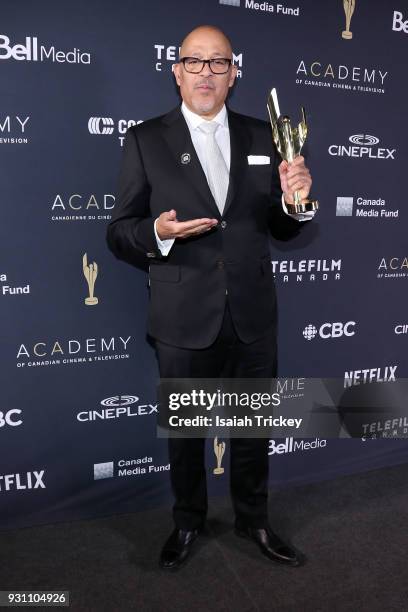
[
  {"x": 177, "y": 548},
  {"x": 271, "y": 545}
]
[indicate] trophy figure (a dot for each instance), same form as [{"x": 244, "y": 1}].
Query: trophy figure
[
  {"x": 90, "y": 273},
  {"x": 289, "y": 142},
  {"x": 219, "y": 450},
  {"x": 349, "y": 6}
]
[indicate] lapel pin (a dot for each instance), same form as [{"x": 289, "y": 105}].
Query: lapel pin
[{"x": 185, "y": 158}]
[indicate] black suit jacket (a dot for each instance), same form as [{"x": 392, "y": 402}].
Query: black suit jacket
[{"x": 188, "y": 287}]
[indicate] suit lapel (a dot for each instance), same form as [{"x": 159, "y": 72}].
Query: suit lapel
[
  {"x": 240, "y": 140},
  {"x": 178, "y": 139}
]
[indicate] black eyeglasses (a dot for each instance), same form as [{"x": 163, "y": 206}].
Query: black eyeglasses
[{"x": 218, "y": 65}]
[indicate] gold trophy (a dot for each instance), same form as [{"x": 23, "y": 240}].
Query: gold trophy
[
  {"x": 219, "y": 450},
  {"x": 289, "y": 142},
  {"x": 90, "y": 273},
  {"x": 349, "y": 6}
]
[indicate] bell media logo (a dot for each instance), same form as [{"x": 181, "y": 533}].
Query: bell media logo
[
  {"x": 398, "y": 23},
  {"x": 231, "y": 2},
  {"x": 32, "y": 51}
]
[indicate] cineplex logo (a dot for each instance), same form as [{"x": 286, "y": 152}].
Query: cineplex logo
[
  {"x": 329, "y": 330},
  {"x": 81, "y": 207},
  {"x": 141, "y": 466},
  {"x": 306, "y": 270},
  {"x": 323, "y": 74},
  {"x": 13, "y": 129},
  {"x": 116, "y": 407},
  {"x": 20, "y": 482},
  {"x": 363, "y": 146},
  {"x": 167, "y": 55},
  {"x": 106, "y": 126},
  {"x": 393, "y": 267},
  {"x": 72, "y": 351},
  {"x": 266, "y": 7},
  {"x": 33, "y": 51},
  {"x": 290, "y": 445}
]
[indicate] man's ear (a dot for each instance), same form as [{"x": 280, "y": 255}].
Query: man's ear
[
  {"x": 233, "y": 75},
  {"x": 176, "y": 72}
]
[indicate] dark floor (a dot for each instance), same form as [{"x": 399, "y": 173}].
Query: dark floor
[{"x": 352, "y": 530}]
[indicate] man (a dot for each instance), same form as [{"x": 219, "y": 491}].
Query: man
[{"x": 193, "y": 203}]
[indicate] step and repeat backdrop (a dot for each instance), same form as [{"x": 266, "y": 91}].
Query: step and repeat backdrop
[{"x": 78, "y": 375}]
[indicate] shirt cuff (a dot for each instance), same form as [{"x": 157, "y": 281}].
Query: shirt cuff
[
  {"x": 164, "y": 245},
  {"x": 307, "y": 216}
]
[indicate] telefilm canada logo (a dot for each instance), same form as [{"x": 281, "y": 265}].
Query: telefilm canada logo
[
  {"x": 82, "y": 207},
  {"x": 167, "y": 55},
  {"x": 116, "y": 407},
  {"x": 33, "y": 51},
  {"x": 374, "y": 208},
  {"x": 14, "y": 129},
  {"x": 393, "y": 267},
  {"x": 72, "y": 351},
  {"x": 139, "y": 466},
  {"x": 306, "y": 270},
  {"x": 363, "y": 146},
  {"x": 263, "y": 7},
  {"x": 106, "y": 126}
]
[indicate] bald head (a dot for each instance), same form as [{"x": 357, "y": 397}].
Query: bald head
[
  {"x": 205, "y": 92},
  {"x": 202, "y": 33}
]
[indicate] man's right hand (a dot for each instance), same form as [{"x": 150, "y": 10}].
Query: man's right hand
[{"x": 168, "y": 227}]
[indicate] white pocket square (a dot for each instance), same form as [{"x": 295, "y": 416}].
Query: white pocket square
[{"x": 258, "y": 160}]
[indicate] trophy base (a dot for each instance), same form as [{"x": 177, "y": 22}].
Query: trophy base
[
  {"x": 307, "y": 206},
  {"x": 219, "y": 470},
  {"x": 347, "y": 34},
  {"x": 91, "y": 301}
]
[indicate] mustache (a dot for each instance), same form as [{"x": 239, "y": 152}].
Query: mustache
[{"x": 205, "y": 82}]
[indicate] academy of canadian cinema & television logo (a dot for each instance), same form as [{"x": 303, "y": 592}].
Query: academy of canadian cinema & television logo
[
  {"x": 393, "y": 267},
  {"x": 58, "y": 352}
]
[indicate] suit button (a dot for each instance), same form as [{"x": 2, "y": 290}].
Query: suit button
[
  {"x": 223, "y": 224},
  {"x": 220, "y": 264}
]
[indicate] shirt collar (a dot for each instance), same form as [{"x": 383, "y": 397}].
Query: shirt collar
[{"x": 194, "y": 120}]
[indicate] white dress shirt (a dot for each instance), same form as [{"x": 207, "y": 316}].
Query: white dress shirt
[{"x": 223, "y": 140}]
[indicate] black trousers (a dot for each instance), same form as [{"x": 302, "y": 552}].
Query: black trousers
[{"x": 228, "y": 357}]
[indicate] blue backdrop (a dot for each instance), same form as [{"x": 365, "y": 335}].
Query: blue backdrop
[{"x": 77, "y": 418}]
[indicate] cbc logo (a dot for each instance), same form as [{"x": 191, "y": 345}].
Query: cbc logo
[
  {"x": 10, "y": 418},
  {"x": 329, "y": 330}
]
